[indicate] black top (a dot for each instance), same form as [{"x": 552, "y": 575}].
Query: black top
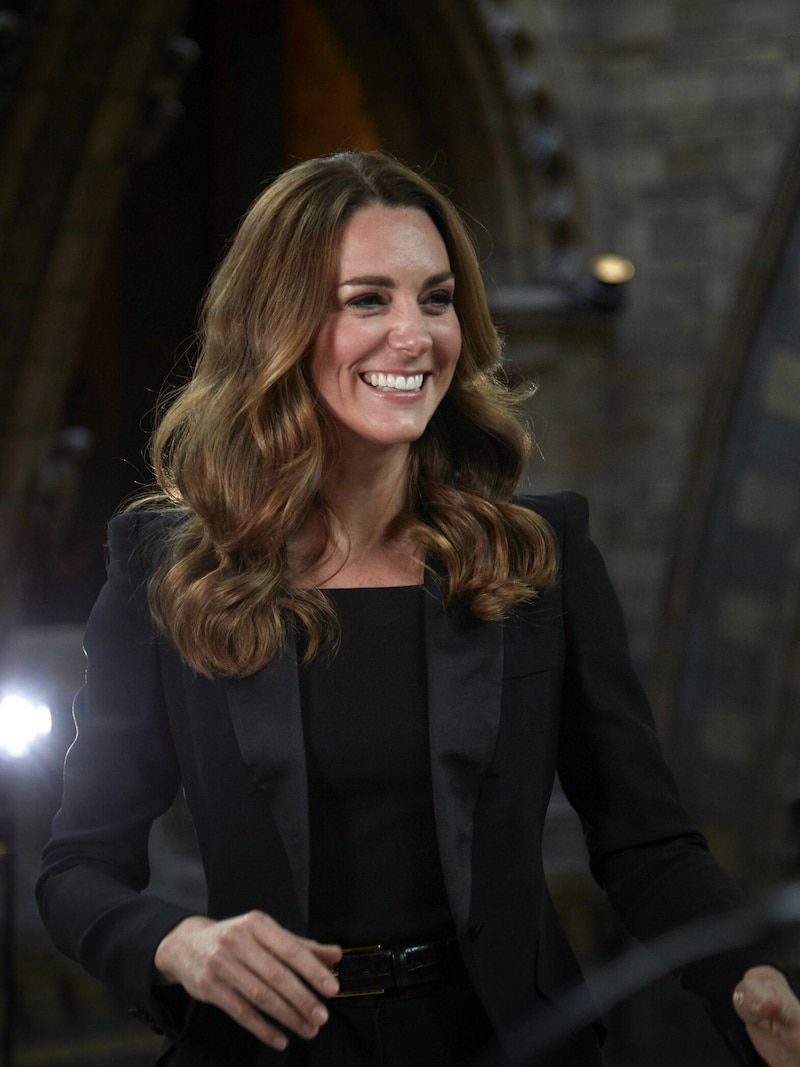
[
  {"x": 566, "y": 696},
  {"x": 375, "y": 869}
]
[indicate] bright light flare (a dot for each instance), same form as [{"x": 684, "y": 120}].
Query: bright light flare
[
  {"x": 612, "y": 270},
  {"x": 21, "y": 723}
]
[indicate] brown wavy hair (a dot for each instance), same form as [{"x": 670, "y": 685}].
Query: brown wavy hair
[{"x": 241, "y": 447}]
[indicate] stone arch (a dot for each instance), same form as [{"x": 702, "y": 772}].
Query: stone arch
[
  {"x": 728, "y": 681},
  {"x": 89, "y": 90},
  {"x": 480, "y": 114}
]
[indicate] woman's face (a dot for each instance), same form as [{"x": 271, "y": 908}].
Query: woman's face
[{"x": 385, "y": 354}]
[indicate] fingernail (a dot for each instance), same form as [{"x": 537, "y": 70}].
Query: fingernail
[
  {"x": 279, "y": 1043},
  {"x": 319, "y": 1015},
  {"x": 330, "y": 987}
]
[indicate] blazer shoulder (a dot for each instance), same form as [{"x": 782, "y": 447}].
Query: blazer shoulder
[
  {"x": 560, "y": 509},
  {"x": 139, "y": 539}
]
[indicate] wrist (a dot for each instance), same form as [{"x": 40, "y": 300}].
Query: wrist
[{"x": 172, "y": 949}]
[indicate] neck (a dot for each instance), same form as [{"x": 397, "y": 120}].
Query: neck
[{"x": 365, "y": 493}]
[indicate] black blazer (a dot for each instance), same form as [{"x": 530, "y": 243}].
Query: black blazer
[{"x": 510, "y": 704}]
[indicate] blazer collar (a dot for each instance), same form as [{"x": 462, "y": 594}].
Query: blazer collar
[
  {"x": 464, "y": 671},
  {"x": 265, "y": 711}
]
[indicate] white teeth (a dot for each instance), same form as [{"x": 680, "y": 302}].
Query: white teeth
[{"x": 411, "y": 383}]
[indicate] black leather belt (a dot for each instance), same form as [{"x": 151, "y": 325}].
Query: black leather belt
[{"x": 374, "y": 969}]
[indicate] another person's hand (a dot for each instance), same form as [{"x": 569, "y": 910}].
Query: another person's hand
[
  {"x": 771, "y": 1012},
  {"x": 251, "y": 967}
]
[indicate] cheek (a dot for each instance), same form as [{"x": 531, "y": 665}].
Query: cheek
[
  {"x": 455, "y": 340},
  {"x": 323, "y": 356},
  {"x": 453, "y": 346},
  {"x": 316, "y": 360}
]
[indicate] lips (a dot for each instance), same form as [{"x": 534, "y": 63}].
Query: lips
[{"x": 400, "y": 383}]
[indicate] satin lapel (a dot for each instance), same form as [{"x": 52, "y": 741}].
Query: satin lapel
[
  {"x": 465, "y": 670},
  {"x": 265, "y": 709}
]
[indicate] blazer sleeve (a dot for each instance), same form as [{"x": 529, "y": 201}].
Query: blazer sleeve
[
  {"x": 654, "y": 866},
  {"x": 120, "y": 773}
]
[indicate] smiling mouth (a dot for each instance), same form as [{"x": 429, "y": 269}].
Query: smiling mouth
[{"x": 410, "y": 383}]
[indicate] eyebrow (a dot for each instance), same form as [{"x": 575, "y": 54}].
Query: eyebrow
[{"x": 381, "y": 281}]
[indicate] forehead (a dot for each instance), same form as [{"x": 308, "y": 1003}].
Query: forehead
[{"x": 391, "y": 237}]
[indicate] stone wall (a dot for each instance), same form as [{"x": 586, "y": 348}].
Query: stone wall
[{"x": 680, "y": 115}]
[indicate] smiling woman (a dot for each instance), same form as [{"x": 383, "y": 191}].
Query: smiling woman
[
  {"x": 385, "y": 355},
  {"x": 363, "y": 661},
  {"x": 303, "y": 475},
  {"x": 382, "y": 362}
]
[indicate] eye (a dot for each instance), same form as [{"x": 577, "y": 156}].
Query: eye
[
  {"x": 366, "y": 302},
  {"x": 440, "y": 299}
]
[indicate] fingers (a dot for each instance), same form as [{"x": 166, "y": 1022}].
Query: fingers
[
  {"x": 272, "y": 970},
  {"x": 251, "y": 967},
  {"x": 765, "y": 997},
  {"x": 261, "y": 1009},
  {"x": 245, "y": 1014},
  {"x": 770, "y": 1010},
  {"x": 328, "y": 954},
  {"x": 765, "y": 1002},
  {"x": 308, "y": 959}
]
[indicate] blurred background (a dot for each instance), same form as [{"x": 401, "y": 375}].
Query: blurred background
[{"x": 632, "y": 172}]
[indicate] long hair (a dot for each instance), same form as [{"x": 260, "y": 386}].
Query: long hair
[{"x": 241, "y": 447}]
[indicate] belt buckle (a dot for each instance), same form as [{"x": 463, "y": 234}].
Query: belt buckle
[{"x": 354, "y": 952}]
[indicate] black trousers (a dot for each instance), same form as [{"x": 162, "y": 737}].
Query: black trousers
[{"x": 424, "y": 1026}]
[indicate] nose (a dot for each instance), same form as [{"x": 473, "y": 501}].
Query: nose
[{"x": 409, "y": 332}]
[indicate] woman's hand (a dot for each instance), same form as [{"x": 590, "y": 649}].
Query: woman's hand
[
  {"x": 770, "y": 1010},
  {"x": 248, "y": 966}
]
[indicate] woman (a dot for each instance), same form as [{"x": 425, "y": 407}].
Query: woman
[{"x": 364, "y": 664}]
